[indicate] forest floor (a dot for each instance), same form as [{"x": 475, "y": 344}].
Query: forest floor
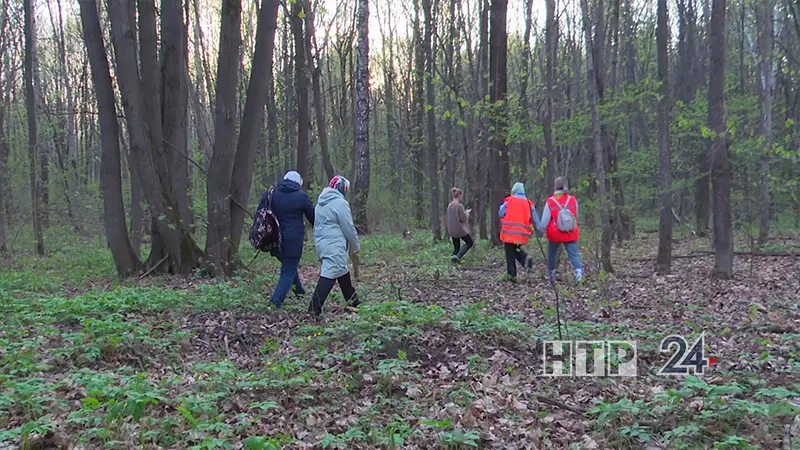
[{"x": 437, "y": 356}]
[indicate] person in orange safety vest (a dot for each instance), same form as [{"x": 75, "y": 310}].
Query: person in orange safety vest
[{"x": 517, "y": 218}]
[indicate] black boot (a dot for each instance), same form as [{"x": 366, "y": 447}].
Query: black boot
[{"x": 321, "y": 292}]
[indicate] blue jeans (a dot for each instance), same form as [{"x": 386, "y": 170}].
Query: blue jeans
[
  {"x": 572, "y": 252},
  {"x": 289, "y": 279}
]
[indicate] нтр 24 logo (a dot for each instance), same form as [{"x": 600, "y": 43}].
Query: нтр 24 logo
[{"x": 683, "y": 362}]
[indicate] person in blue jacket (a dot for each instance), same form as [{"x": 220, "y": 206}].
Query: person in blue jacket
[
  {"x": 335, "y": 237},
  {"x": 289, "y": 204}
]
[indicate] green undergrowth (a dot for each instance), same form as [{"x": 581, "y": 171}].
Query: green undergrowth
[{"x": 116, "y": 364}]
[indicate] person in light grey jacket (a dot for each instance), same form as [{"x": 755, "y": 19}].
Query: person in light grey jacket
[{"x": 335, "y": 237}]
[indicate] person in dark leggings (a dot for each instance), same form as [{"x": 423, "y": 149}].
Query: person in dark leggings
[
  {"x": 457, "y": 223},
  {"x": 335, "y": 237}
]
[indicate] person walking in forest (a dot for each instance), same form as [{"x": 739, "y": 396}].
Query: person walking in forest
[
  {"x": 289, "y": 204},
  {"x": 517, "y": 219},
  {"x": 560, "y": 220},
  {"x": 335, "y": 237},
  {"x": 457, "y": 223}
]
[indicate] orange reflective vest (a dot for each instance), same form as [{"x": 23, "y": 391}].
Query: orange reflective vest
[{"x": 515, "y": 226}]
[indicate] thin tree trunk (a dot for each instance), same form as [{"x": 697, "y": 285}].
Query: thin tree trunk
[
  {"x": 720, "y": 159},
  {"x": 316, "y": 84},
  {"x": 301, "y": 86},
  {"x": 125, "y": 259},
  {"x": 551, "y": 44},
  {"x": 597, "y": 147},
  {"x": 30, "y": 104},
  {"x": 218, "y": 244},
  {"x": 525, "y": 145},
  {"x": 419, "y": 108},
  {"x": 430, "y": 107},
  {"x": 764, "y": 12},
  {"x": 362, "y": 162},
  {"x": 664, "y": 260},
  {"x": 4, "y": 151},
  {"x": 483, "y": 170},
  {"x": 253, "y": 122},
  {"x": 175, "y": 95}
]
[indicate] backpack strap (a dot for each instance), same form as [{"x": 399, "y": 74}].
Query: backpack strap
[
  {"x": 560, "y": 207},
  {"x": 269, "y": 197}
]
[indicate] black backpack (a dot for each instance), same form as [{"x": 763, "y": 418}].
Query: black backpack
[{"x": 265, "y": 234}]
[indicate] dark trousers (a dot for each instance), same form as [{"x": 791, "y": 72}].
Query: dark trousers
[
  {"x": 289, "y": 279},
  {"x": 323, "y": 289},
  {"x": 514, "y": 254},
  {"x": 457, "y": 250}
]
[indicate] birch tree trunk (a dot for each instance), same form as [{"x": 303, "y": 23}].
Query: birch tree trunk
[
  {"x": 664, "y": 260},
  {"x": 362, "y": 162}
]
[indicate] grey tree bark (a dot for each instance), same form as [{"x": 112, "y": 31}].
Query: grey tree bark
[
  {"x": 125, "y": 258},
  {"x": 253, "y": 122},
  {"x": 430, "y": 108},
  {"x": 362, "y": 162},
  {"x": 720, "y": 158},
  {"x": 218, "y": 244},
  {"x": 30, "y": 105},
  {"x": 597, "y": 145},
  {"x": 664, "y": 259},
  {"x": 766, "y": 77},
  {"x": 175, "y": 95}
]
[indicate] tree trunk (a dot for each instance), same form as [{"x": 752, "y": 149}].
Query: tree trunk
[
  {"x": 482, "y": 75},
  {"x": 4, "y": 150},
  {"x": 597, "y": 146},
  {"x": 125, "y": 258},
  {"x": 316, "y": 84},
  {"x": 764, "y": 11},
  {"x": 525, "y": 145},
  {"x": 419, "y": 108},
  {"x": 301, "y": 88},
  {"x": 137, "y": 212},
  {"x": 430, "y": 108},
  {"x": 362, "y": 169},
  {"x": 551, "y": 44},
  {"x": 175, "y": 95},
  {"x": 30, "y": 105},
  {"x": 664, "y": 260},
  {"x": 253, "y": 121},
  {"x": 500, "y": 181},
  {"x": 720, "y": 159},
  {"x": 174, "y": 240},
  {"x": 218, "y": 244}
]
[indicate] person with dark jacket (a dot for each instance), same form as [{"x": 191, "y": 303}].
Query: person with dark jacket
[{"x": 289, "y": 204}]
